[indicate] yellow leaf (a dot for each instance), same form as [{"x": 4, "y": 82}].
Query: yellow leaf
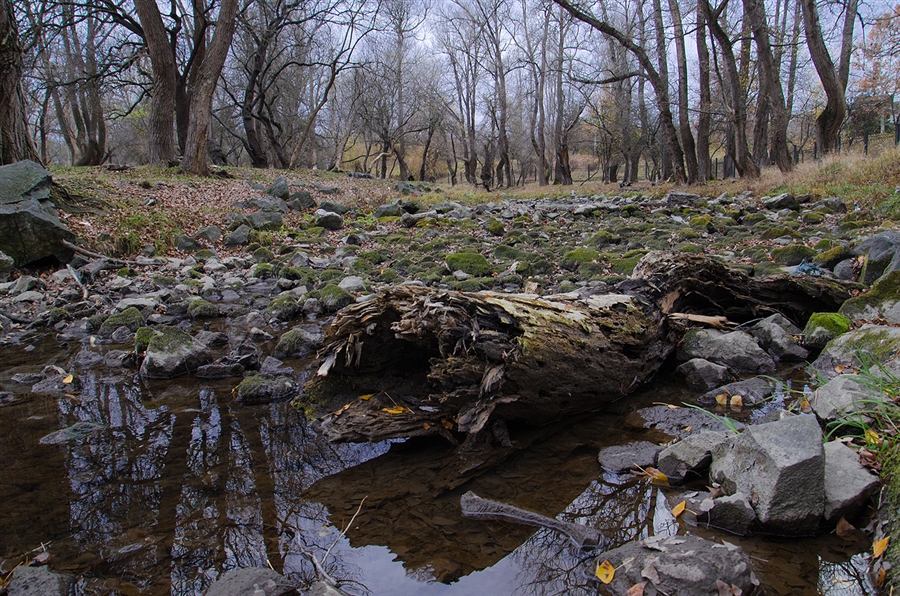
[
  {"x": 366, "y": 397},
  {"x": 839, "y": 368},
  {"x": 395, "y": 411},
  {"x": 737, "y": 401},
  {"x": 879, "y": 545},
  {"x": 657, "y": 477},
  {"x": 687, "y": 429},
  {"x": 426, "y": 426},
  {"x": 447, "y": 424},
  {"x": 872, "y": 437},
  {"x": 69, "y": 379},
  {"x": 679, "y": 509},
  {"x": 879, "y": 579},
  {"x": 93, "y": 341},
  {"x": 605, "y": 572},
  {"x": 722, "y": 399},
  {"x": 670, "y": 406}
]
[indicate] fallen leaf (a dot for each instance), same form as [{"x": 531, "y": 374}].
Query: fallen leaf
[
  {"x": 447, "y": 424},
  {"x": 845, "y": 529},
  {"x": 872, "y": 437},
  {"x": 395, "y": 410},
  {"x": 670, "y": 406},
  {"x": 879, "y": 545},
  {"x": 69, "y": 379},
  {"x": 93, "y": 342},
  {"x": 426, "y": 426},
  {"x": 366, "y": 397},
  {"x": 341, "y": 410},
  {"x": 649, "y": 572},
  {"x": 728, "y": 590},
  {"x": 722, "y": 399},
  {"x": 605, "y": 572},
  {"x": 636, "y": 589},
  {"x": 839, "y": 368},
  {"x": 879, "y": 579},
  {"x": 737, "y": 401},
  {"x": 687, "y": 429},
  {"x": 679, "y": 509}
]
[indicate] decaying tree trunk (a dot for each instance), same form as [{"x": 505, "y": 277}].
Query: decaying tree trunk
[{"x": 421, "y": 361}]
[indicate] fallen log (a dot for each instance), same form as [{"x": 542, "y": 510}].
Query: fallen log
[{"x": 419, "y": 361}]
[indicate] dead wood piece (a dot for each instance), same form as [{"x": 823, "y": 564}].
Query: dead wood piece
[
  {"x": 478, "y": 507},
  {"x": 96, "y": 255},
  {"x": 458, "y": 361}
]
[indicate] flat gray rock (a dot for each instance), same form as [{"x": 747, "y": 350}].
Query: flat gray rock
[
  {"x": 703, "y": 375},
  {"x": 881, "y": 342},
  {"x": 781, "y": 466},
  {"x": 848, "y": 484},
  {"x": 752, "y": 391},
  {"x": 250, "y": 581},
  {"x": 622, "y": 458},
  {"x": 844, "y": 396},
  {"x": 38, "y": 581},
  {"x": 691, "y": 455},
  {"x": 736, "y": 350}
]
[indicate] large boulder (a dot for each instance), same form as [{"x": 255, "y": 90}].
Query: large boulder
[
  {"x": 880, "y": 343},
  {"x": 38, "y": 581},
  {"x": 778, "y": 336},
  {"x": 30, "y": 229},
  {"x": 848, "y": 484},
  {"x": 882, "y": 301},
  {"x": 252, "y": 581},
  {"x": 780, "y": 467},
  {"x": 736, "y": 350},
  {"x": 171, "y": 352},
  {"x": 882, "y": 253},
  {"x": 265, "y": 220},
  {"x": 679, "y": 566},
  {"x": 691, "y": 455},
  {"x": 703, "y": 375},
  {"x": 845, "y": 396}
]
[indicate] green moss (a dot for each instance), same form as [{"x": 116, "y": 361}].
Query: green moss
[
  {"x": 602, "y": 238},
  {"x": 169, "y": 339},
  {"x": 263, "y": 255},
  {"x": 812, "y": 217},
  {"x": 201, "y": 309},
  {"x": 778, "y": 232},
  {"x": 632, "y": 210},
  {"x": 262, "y": 271},
  {"x": 494, "y": 227},
  {"x": 509, "y": 253},
  {"x": 332, "y": 297},
  {"x": 766, "y": 268},
  {"x": 832, "y": 256},
  {"x": 566, "y": 286},
  {"x": 575, "y": 258},
  {"x": 142, "y": 339},
  {"x": 833, "y": 323},
  {"x": 473, "y": 284},
  {"x": 373, "y": 256},
  {"x": 694, "y": 249},
  {"x": 303, "y": 274},
  {"x": 395, "y": 239},
  {"x": 204, "y": 255},
  {"x": 55, "y": 315},
  {"x": 792, "y": 254},
  {"x": 164, "y": 280},
  {"x": 291, "y": 343},
  {"x": 126, "y": 272},
  {"x": 625, "y": 265},
  {"x": 193, "y": 283},
  {"x": 753, "y": 218},
  {"x": 472, "y": 263},
  {"x": 883, "y": 294},
  {"x": 250, "y": 386},
  {"x": 284, "y": 307},
  {"x": 388, "y": 276},
  {"x": 130, "y": 317},
  {"x": 702, "y": 222}
]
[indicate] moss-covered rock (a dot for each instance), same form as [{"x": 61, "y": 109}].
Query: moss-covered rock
[
  {"x": 297, "y": 342},
  {"x": 822, "y": 327},
  {"x": 131, "y": 317},
  {"x": 882, "y": 301},
  {"x": 263, "y": 255},
  {"x": 472, "y": 263},
  {"x": 142, "y": 338},
  {"x": 792, "y": 254},
  {"x": 332, "y": 297},
  {"x": 577, "y": 257},
  {"x": 494, "y": 227},
  {"x": 263, "y": 271},
  {"x": 262, "y": 389},
  {"x": 602, "y": 238},
  {"x": 201, "y": 309},
  {"x": 831, "y": 257},
  {"x": 509, "y": 253},
  {"x": 702, "y": 222},
  {"x": 812, "y": 217},
  {"x": 859, "y": 348},
  {"x": 284, "y": 307},
  {"x": 473, "y": 284},
  {"x": 171, "y": 352}
]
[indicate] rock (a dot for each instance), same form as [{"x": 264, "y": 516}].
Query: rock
[
  {"x": 689, "y": 456},
  {"x": 822, "y": 327},
  {"x": 269, "y": 204},
  {"x": 333, "y": 207},
  {"x": 234, "y": 220},
  {"x": 38, "y": 581},
  {"x": 251, "y": 581},
  {"x": 679, "y": 566},
  {"x": 732, "y": 513},
  {"x": 211, "y": 339},
  {"x": 879, "y": 342},
  {"x": 781, "y": 467},
  {"x": 131, "y": 318},
  {"x": 736, "y": 350},
  {"x": 676, "y": 198},
  {"x": 703, "y": 375},
  {"x": 301, "y": 200},
  {"x": 352, "y": 283},
  {"x": 220, "y": 370},
  {"x": 782, "y": 201},
  {"x": 845, "y": 270},
  {"x": 632, "y": 456},
  {"x": 322, "y": 589},
  {"x": 265, "y": 220},
  {"x": 882, "y": 301},
  {"x": 328, "y": 220},
  {"x": 30, "y": 229},
  {"x": 388, "y": 211},
  {"x": 209, "y": 233},
  {"x": 298, "y": 342},
  {"x": 848, "y": 484},
  {"x": 844, "y": 396},
  {"x": 831, "y": 205},
  {"x": 404, "y": 188},
  {"x": 186, "y": 243},
  {"x": 6, "y": 266},
  {"x": 171, "y": 353},
  {"x": 882, "y": 256},
  {"x": 239, "y": 237},
  {"x": 752, "y": 391},
  {"x": 77, "y": 431},
  {"x": 262, "y": 389},
  {"x": 328, "y": 190},
  {"x": 279, "y": 189},
  {"x": 674, "y": 421},
  {"x": 776, "y": 335}
]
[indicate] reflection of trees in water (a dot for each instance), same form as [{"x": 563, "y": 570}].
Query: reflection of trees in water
[
  {"x": 847, "y": 578},
  {"x": 623, "y": 510}
]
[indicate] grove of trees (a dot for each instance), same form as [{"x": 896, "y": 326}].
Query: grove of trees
[{"x": 486, "y": 92}]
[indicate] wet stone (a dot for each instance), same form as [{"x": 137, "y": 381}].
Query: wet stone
[
  {"x": 632, "y": 456},
  {"x": 251, "y": 581},
  {"x": 38, "y": 581}
]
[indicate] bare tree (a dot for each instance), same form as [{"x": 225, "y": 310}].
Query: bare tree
[
  {"x": 828, "y": 122},
  {"x": 15, "y": 140}
]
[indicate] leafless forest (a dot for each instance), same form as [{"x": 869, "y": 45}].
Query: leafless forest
[{"x": 486, "y": 92}]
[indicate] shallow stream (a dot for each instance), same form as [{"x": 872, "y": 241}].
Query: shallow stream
[{"x": 179, "y": 483}]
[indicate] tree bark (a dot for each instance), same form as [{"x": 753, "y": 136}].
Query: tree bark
[
  {"x": 704, "y": 118},
  {"x": 15, "y": 140},
  {"x": 161, "y": 148},
  {"x": 684, "y": 121},
  {"x": 457, "y": 364},
  {"x": 828, "y": 122},
  {"x": 196, "y": 159}
]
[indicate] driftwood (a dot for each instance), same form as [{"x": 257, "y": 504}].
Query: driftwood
[
  {"x": 480, "y": 508},
  {"x": 421, "y": 361}
]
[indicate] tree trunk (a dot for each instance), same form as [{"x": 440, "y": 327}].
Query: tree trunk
[
  {"x": 770, "y": 86},
  {"x": 684, "y": 120},
  {"x": 161, "y": 148},
  {"x": 15, "y": 140},
  {"x": 457, "y": 364},
  {"x": 663, "y": 62},
  {"x": 828, "y": 122},
  {"x": 196, "y": 159},
  {"x": 704, "y": 118}
]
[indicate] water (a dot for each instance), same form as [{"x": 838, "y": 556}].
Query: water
[{"x": 181, "y": 484}]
